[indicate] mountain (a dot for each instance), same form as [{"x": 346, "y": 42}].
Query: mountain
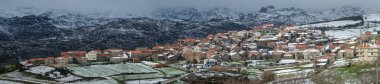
[{"x": 30, "y": 32}]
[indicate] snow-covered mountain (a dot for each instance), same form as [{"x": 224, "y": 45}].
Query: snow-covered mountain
[
  {"x": 271, "y": 14},
  {"x": 42, "y": 32}
]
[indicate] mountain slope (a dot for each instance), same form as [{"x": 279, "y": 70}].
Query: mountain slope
[{"x": 40, "y": 33}]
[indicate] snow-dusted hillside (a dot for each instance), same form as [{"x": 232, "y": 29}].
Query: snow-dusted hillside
[
  {"x": 268, "y": 14},
  {"x": 371, "y": 17},
  {"x": 332, "y": 24},
  {"x": 33, "y": 32}
]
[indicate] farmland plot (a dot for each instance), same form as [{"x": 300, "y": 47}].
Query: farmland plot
[
  {"x": 171, "y": 72},
  {"x": 112, "y": 69},
  {"x": 138, "y": 76}
]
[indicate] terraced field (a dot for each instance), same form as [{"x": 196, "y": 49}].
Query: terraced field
[
  {"x": 112, "y": 69},
  {"x": 171, "y": 72}
]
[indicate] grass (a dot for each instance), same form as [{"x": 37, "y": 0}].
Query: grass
[
  {"x": 347, "y": 71},
  {"x": 170, "y": 72},
  {"x": 354, "y": 69}
]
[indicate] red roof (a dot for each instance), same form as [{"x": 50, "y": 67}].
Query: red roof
[
  {"x": 49, "y": 58},
  {"x": 301, "y": 46},
  {"x": 187, "y": 40},
  {"x": 210, "y": 36},
  {"x": 114, "y": 50},
  {"x": 36, "y": 59},
  {"x": 136, "y": 52},
  {"x": 319, "y": 47}
]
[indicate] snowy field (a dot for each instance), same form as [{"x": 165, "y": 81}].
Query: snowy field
[
  {"x": 331, "y": 24},
  {"x": 145, "y": 81},
  {"x": 372, "y": 17},
  {"x": 340, "y": 63},
  {"x": 40, "y": 69},
  {"x": 348, "y": 33},
  {"x": 106, "y": 81},
  {"x": 139, "y": 76},
  {"x": 8, "y": 82},
  {"x": 112, "y": 69}
]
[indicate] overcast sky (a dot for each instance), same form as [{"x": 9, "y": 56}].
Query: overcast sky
[{"x": 149, "y": 5}]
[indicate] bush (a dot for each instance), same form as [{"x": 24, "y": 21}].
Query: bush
[{"x": 268, "y": 76}]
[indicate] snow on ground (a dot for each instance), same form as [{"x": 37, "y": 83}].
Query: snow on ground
[
  {"x": 340, "y": 63},
  {"x": 107, "y": 81},
  {"x": 372, "y": 17},
  {"x": 332, "y": 24},
  {"x": 308, "y": 65},
  {"x": 40, "y": 69},
  {"x": 19, "y": 75},
  {"x": 68, "y": 78},
  {"x": 145, "y": 81},
  {"x": 138, "y": 76},
  {"x": 285, "y": 71},
  {"x": 8, "y": 82},
  {"x": 112, "y": 69},
  {"x": 149, "y": 63},
  {"x": 348, "y": 33}
]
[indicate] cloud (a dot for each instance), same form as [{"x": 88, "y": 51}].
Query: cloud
[{"x": 141, "y": 6}]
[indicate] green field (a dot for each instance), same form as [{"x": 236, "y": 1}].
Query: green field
[{"x": 171, "y": 72}]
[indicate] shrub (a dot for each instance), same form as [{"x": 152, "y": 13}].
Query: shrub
[{"x": 268, "y": 76}]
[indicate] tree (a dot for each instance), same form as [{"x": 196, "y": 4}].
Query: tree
[
  {"x": 267, "y": 76},
  {"x": 194, "y": 61},
  {"x": 63, "y": 71}
]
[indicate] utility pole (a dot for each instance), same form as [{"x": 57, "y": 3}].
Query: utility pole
[{"x": 377, "y": 64}]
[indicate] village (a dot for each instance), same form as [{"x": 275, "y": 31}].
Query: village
[{"x": 288, "y": 52}]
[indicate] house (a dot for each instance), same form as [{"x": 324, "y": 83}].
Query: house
[
  {"x": 172, "y": 58},
  {"x": 92, "y": 55},
  {"x": 302, "y": 46},
  {"x": 36, "y": 61},
  {"x": 211, "y": 52},
  {"x": 114, "y": 52},
  {"x": 118, "y": 59},
  {"x": 186, "y": 41},
  {"x": 103, "y": 57},
  {"x": 191, "y": 55},
  {"x": 254, "y": 55},
  {"x": 75, "y": 57},
  {"x": 209, "y": 62},
  {"x": 140, "y": 54},
  {"x": 49, "y": 61},
  {"x": 158, "y": 57},
  {"x": 63, "y": 60},
  {"x": 311, "y": 53},
  {"x": 81, "y": 60},
  {"x": 235, "y": 56},
  {"x": 74, "y": 53},
  {"x": 367, "y": 52}
]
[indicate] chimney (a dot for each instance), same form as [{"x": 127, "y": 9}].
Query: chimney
[{"x": 130, "y": 54}]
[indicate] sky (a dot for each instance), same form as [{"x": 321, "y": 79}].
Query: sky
[{"x": 142, "y": 6}]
